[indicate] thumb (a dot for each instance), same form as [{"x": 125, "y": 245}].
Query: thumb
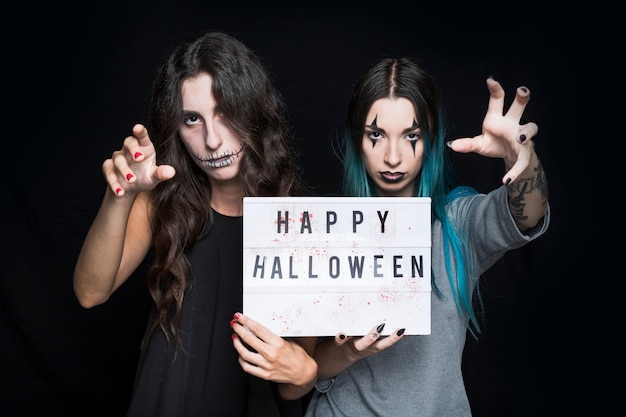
[
  {"x": 164, "y": 173},
  {"x": 463, "y": 145}
]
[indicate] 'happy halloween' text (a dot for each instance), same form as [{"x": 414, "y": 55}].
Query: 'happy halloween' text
[{"x": 373, "y": 264}]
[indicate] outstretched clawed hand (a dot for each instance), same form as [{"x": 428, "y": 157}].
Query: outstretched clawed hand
[
  {"x": 502, "y": 134},
  {"x": 133, "y": 168}
]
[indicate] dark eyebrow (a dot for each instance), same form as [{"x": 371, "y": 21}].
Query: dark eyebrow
[
  {"x": 414, "y": 127},
  {"x": 375, "y": 128}
]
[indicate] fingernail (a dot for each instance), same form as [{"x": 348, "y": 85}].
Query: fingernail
[
  {"x": 233, "y": 321},
  {"x": 449, "y": 143},
  {"x": 237, "y": 316},
  {"x": 118, "y": 191},
  {"x": 522, "y": 138},
  {"x": 138, "y": 154},
  {"x": 507, "y": 182},
  {"x": 342, "y": 336},
  {"x": 380, "y": 328},
  {"x": 129, "y": 176},
  {"x": 233, "y": 336},
  {"x": 400, "y": 332}
]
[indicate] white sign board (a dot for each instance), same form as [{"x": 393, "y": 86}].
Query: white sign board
[{"x": 317, "y": 266}]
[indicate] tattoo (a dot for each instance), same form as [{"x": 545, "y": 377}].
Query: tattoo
[
  {"x": 540, "y": 182},
  {"x": 522, "y": 186},
  {"x": 516, "y": 202}
]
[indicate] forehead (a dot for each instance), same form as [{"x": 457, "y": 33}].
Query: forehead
[
  {"x": 196, "y": 92},
  {"x": 391, "y": 112}
]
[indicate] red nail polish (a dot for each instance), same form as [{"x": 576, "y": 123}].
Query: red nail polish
[
  {"x": 237, "y": 316},
  {"x": 233, "y": 336},
  {"x": 118, "y": 191},
  {"x": 232, "y": 322},
  {"x": 129, "y": 176},
  {"x": 138, "y": 154}
]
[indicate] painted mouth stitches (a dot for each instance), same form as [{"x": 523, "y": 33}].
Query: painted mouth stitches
[
  {"x": 392, "y": 177},
  {"x": 219, "y": 161}
]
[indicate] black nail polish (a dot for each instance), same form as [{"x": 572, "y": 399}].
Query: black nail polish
[
  {"x": 342, "y": 336},
  {"x": 522, "y": 138},
  {"x": 400, "y": 332},
  {"x": 507, "y": 182},
  {"x": 380, "y": 328}
]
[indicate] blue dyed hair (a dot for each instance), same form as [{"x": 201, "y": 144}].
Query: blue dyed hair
[{"x": 403, "y": 78}]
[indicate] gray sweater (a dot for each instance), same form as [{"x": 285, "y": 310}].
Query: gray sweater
[{"x": 421, "y": 375}]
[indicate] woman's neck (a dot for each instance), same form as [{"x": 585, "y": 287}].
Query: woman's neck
[{"x": 227, "y": 199}]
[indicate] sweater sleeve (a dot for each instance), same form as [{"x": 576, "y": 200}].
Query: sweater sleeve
[{"x": 487, "y": 223}]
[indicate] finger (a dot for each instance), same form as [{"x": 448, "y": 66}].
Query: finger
[
  {"x": 390, "y": 340},
  {"x": 252, "y": 369},
  {"x": 522, "y": 162},
  {"x": 133, "y": 144},
  {"x": 527, "y": 132},
  {"x": 522, "y": 96},
  {"x": 141, "y": 133},
  {"x": 256, "y": 328},
  {"x": 121, "y": 161},
  {"x": 464, "y": 145},
  {"x": 248, "y": 360},
  {"x": 111, "y": 177},
  {"x": 239, "y": 347},
  {"x": 371, "y": 337},
  {"x": 129, "y": 153},
  {"x": 496, "y": 97},
  {"x": 376, "y": 333},
  {"x": 256, "y": 336},
  {"x": 341, "y": 338},
  {"x": 242, "y": 332}
]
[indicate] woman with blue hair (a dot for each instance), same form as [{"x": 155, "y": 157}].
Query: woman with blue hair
[{"x": 395, "y": 145}]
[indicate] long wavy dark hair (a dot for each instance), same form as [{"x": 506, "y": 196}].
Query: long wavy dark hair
[
  {"x": 395, "y": 78},
  {"x": 181, "y": 212}
]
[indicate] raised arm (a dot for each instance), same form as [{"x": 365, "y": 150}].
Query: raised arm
[
  {"x": 120, "y": 236},
  {"x": 504, "y": 137}
]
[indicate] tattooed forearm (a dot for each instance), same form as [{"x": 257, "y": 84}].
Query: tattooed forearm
[
  {"x": 517, "y": 191},
  {"x": 521, "y": 190},
  {"x": 540, "y": 182}
]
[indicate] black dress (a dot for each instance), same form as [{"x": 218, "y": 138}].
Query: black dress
[{"x": 206, "y": 379}]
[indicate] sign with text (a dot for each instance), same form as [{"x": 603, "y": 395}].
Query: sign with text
[{"x": 317, "y": 266}]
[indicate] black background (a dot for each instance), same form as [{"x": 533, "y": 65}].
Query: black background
[{"x": 78, "y": 79}]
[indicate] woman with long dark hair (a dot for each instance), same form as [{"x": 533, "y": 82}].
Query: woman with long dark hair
[{"x": 217, "y": 133}]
